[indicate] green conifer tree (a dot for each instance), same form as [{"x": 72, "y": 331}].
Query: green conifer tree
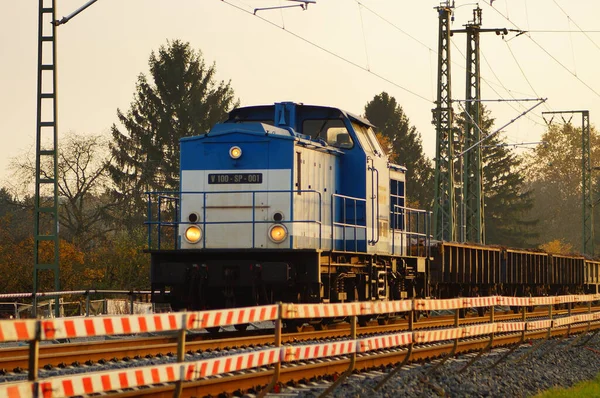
[
  {"x": 181, "y": 98},
  {"x": 404, "y": 147}
]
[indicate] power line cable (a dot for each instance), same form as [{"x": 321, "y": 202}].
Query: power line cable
[
  {"x": 509, "y": 92},
  {"x": 523, "y": 73},
  {"x": 547, "y": 53},
  {"x": 563, "y": 31},
  {"x": 362, "y": 25},
  {"x": 572, "y": 47},
  {"x": 330, "y": 52},
  {"x": 394, "y": 25},
  {"x": 579, "y": 27}
]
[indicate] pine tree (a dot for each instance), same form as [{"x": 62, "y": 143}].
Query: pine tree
[
  {"x": 181, "y": 99},
  {"x": 405, "y": 147},
  {"x": 507, "y": 199}
]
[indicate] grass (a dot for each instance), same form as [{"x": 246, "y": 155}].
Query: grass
[{"x": 583, "y": 389}]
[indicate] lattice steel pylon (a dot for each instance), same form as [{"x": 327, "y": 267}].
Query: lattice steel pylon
[
  {"x": 46, "y": 242},
  {"x": 586, "y": 185},
  {"x": 471, "y": 202},
  {"x": 473, "y": 165},
  {"x": 587, "y": 205},
  {"x": 444, "y": 204}
]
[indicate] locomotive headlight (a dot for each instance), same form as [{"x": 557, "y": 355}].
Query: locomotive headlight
[
  {"x": 277, "y": 233},
  {"x": 193, "y": 234},
  {"x": 235, "y": 152}
]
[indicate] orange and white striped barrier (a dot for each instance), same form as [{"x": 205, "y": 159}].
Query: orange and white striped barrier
[
  {"x": 479, "y": 301},
  {"x": 516, "y": 301},
  {"x": 447, "y": 304},
  {"x": 504, "y": 327},
  {"x": 536, "y": 325},
  {"x": 437, "y": 335},
  {"x": 544, "y": 300},
  {"x": 234, "y": 316},
  {"x": 479, "y": 330},
  {"x": 104, "y": 326},
  {"x": 385, "y": 307},
  {"x": 568, "y": 320},
  {"x": 294, "y": 311},
  {"x": 17, "y": 330},
  {"x": 312, "y": 351},
  {"x": 17, "y": 390},
  {"x": 134, "y": 377},
  {"x": 24, "y": 330},
  {"x": 381, "y": 342}
]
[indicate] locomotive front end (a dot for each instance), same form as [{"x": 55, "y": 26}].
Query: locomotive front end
[
  {"x": 235, "y": 188},
  {"x": 246, "y": 227}
]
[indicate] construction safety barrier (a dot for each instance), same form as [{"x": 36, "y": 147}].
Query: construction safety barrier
[{"x": 37, "y": 330}]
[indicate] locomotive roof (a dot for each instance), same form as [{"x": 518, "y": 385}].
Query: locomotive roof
[{"x": 236, "y": 113}]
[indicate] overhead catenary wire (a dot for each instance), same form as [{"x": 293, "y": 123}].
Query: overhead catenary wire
[
  {"x": 585, "y": 32},
  {"x": 510, "y": 92},
  {"x": 431, "y": 50},
  {"x": 330, "y": 52},
  {"x": 561, "y": 31},
  {"x": 548, "y": 53},
  {"x": 523, "y": 72},
  {"x": 362, "y": 26}
]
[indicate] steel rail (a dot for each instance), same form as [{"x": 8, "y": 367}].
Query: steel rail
[
  {"x": 331, "y": 366},
  {"x": 96, "y": 350}
]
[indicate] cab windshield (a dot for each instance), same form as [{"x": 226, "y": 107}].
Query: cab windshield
[{"x": 332, "y": 131}]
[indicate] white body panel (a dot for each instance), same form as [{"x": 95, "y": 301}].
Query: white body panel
[{"x": 229, "y": 216}]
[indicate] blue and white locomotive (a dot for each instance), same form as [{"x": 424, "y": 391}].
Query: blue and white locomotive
[{"x": 286, "y": 202}]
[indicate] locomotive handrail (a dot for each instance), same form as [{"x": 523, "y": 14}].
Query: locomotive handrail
[
  {"x": 374, "y": 202},
  {"x": 159, "y": 223},
  {"x": 345, "y": 225},
  {"x": 407, "y": 230}
]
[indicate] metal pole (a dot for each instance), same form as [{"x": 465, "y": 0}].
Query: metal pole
[
  {"x": 66, "y": 19},
  {"x": 180, "y": 354},
  {"x": 277, "y": 370},
  {"x": 34, "y": 354}
]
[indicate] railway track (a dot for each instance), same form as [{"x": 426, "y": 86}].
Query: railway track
[
  {"x": 65, "y": 354},
  {"x": 138, "y": 349},
  {"x": 328, "y": 368}
]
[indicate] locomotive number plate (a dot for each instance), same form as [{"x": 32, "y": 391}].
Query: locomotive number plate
[{"x": 235, "y": 178}]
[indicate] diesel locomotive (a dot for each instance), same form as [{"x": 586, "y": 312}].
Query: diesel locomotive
[
  {"x": 299, "y": 203},
  {"x": 286, "y": 202}
]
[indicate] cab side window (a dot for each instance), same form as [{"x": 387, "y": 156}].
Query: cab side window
[{"x": 368, "y": 139}]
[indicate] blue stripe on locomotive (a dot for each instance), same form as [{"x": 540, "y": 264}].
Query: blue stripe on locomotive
[{"x": 260, "y": 150}]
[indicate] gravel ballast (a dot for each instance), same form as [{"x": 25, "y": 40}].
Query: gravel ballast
[{"x": 555, "y": 363}]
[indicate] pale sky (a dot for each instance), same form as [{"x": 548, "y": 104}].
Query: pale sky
[{"x": 386, "y": 45}]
